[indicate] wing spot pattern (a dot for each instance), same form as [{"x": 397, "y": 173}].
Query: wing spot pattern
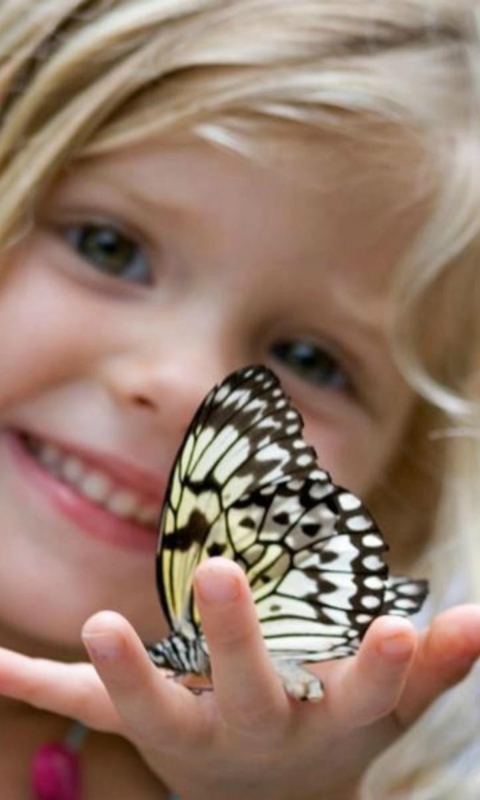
[{"x": 247, "y": 486}]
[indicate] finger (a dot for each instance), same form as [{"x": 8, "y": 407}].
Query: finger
[
  {"x": 367, "y": 687},
  {"x": 153, "y": 709},
  {"x": 72, "y": 690},
  {"x": 248, "y": 691},
  {"x": 447, "y": 651}
]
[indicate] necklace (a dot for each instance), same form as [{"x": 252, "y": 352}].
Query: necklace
[{"x": 55, "y": 768}]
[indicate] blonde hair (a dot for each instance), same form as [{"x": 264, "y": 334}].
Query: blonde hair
[{"x": 83, "y": 77}]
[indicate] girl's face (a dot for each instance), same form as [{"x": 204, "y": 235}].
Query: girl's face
[{"x": 147, "y": 277}]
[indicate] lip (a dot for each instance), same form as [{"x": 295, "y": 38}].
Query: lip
[
  {"x": 130, "y": 475},
  {"x": 90, "y": 518}
]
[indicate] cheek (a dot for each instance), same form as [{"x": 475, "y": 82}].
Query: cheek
[
  {"x": 42, "y": 329},
  {"x": 48, "y": 565},
  {"x": 357, "y": 452}
]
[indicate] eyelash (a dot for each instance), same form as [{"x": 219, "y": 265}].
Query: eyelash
[
  {"x": 134, "y": 268},
  {"x": 314, "y": 364}
]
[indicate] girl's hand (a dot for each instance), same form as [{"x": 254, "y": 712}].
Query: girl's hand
[{"x": 247, "y": 738}]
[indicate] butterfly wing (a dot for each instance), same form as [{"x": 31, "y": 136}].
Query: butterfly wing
[
  {"x": 246, "y": 486},
  {"x": 244, "y": 435},
  {"x": 313, "y": 556},
  {"x": 404, "y": 596}
]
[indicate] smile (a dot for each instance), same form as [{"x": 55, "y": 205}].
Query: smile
[
  {"x": 105, "y": 497},
  {"x": 96, "y": 485}
]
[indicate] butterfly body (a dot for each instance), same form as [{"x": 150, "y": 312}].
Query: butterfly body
[
  {"x": 182, "y": 654},
  {"x": 246, "y": 486}
]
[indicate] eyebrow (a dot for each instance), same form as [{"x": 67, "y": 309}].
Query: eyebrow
[
  {"x": 151, "y": 204},
  {"x": 131, "y": 193},
  {"x": 74, "y": 183}
]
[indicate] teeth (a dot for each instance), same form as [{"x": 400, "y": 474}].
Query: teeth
[
  {"x": 72, "y": 469},
  {"x": 50, "y": 456},
  {"x": 123, "y": 503},
  {"x": 94, "y": 484},
  {"x": 148, "y": 514}
]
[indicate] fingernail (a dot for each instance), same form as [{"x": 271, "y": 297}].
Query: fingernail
[
  {"x": 398, "y": 646},
  {"x": 102, "y": 646},
  {"x": 217, "y": 586}
]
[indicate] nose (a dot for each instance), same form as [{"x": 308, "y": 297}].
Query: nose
[{"x": 168, "y": 389}]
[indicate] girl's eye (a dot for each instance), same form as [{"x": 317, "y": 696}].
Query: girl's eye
[
  {"x": 110, "y": 251},
  {"x": 312, "y": 363}
]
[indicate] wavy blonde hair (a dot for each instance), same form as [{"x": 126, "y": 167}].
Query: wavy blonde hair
[{"x": 84, "y": 77}]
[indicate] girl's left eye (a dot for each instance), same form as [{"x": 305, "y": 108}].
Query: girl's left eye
[
  {"x": 312, "y": 363},
  {"x": 109, "y": 250}
]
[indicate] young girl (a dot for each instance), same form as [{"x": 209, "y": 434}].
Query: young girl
[{"x": 188, "y": 186}]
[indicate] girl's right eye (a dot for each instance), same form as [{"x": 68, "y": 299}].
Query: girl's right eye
[{"x": 110, "y": 251}]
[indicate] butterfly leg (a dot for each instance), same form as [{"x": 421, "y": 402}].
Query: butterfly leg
[{"x": 299, "y": 683}]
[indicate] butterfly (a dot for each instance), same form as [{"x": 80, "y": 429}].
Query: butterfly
[{"x": 245, "y": 485}]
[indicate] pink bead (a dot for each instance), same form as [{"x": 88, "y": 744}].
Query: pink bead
[{"x": 55, "y": 773}]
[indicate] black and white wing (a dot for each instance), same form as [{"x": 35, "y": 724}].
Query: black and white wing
[{"x": 246, "y": 486}]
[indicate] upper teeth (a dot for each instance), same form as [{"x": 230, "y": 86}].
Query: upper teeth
[{"x": 96, "y": 485}]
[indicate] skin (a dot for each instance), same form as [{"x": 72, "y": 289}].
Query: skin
[{"x": 231, "y": 259}]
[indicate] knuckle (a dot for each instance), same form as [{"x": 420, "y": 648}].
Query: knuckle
[
  {"x": 253, "y": 717},
  {"x": 257, "y": 716}
]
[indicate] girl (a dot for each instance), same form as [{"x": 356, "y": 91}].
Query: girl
[{"x": 188, "y": 186}]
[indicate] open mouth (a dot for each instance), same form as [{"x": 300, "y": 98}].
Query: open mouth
[{"x": 94, "y": 484}]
